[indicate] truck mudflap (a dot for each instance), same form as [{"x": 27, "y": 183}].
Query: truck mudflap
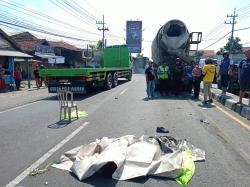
[{"x": 80, "y": 89}]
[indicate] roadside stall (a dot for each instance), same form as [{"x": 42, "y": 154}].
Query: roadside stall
[
  {"x": 7, "y": 66},
  {"x": 8, "y": 51}
]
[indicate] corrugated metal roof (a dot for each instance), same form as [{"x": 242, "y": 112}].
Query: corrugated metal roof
[
  {"x": 46, "y": 56},
  {"x": 14, "y": 54}
]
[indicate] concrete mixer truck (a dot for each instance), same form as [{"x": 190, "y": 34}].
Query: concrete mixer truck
[{"x": 172, "y": 41}]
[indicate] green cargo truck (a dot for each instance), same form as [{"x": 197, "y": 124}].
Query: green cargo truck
[{"x": 113, "y": 63}]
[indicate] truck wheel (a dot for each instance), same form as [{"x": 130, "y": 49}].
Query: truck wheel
[
  {"x": 115, "y": 79},
  {"x": 129, "y": 77},
  {"x": 109, "y": 81}
]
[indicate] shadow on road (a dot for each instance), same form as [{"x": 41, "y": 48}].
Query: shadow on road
[
  {"x": 206, "y": 106},
  {"x": 59, "y": 124},
  {"x": 98, "y": 179},
  {"x": 170, "y": 97}
]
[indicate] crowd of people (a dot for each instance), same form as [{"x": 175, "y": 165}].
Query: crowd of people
[
  {"x": 183, "y": 77},
  {"x": 15, "y": 77}
]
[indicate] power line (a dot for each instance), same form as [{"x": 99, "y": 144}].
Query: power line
[
  {"x": 64, "y": 7},
  {"x": 99, "y": 12},
  {"x": 83, "y": 9},
  {"x": 44, "y": 17},
  {"x": 225, "y": 36},
  {"x": 242, "y": 29},
  {"x": 30, "y": 24},
  {"x": 79, "y": 12},
  {"x": 42, "y": 31},
  {"x": 217, "y": 41}
]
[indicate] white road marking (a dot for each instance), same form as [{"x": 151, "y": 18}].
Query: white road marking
[
  {"x": 240, "y": 122},
  {"x": 19, "y": 107},
  {"x": 123, "y": 91},
  {"x": 26, "y": 172}
]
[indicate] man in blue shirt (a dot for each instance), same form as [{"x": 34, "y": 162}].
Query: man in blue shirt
[
  {"x": 224, "y": 72},
  {"x": 244, "y": 76}
]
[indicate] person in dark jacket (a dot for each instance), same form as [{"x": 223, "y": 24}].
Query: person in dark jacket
[
  {"x": 178, "y": 76},
  {"x": 150, "y": 80},
  {"x": 244, "y": 77},
  {"x": 37, "y": 77},
  {"x": 225, "y": 68},
  {"x": 17, "y": 77}
]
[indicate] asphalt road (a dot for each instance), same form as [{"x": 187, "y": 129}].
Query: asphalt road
[{"x": 29, "y": 132}]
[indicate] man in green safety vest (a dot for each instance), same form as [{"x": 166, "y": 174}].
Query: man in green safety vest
[{"x": 163, "y": 75}]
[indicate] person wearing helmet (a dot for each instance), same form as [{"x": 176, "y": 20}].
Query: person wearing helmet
[
  {"x": 224, "y": 72},
  {"x": 178, "y": 76}
]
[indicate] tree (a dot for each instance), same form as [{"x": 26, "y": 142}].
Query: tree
[
  {"x": 98, "y": 46},
  {"x": 199, "y": 53},
  {"x": 237, "y": 47},
  {"x": 221, "y": 51}
]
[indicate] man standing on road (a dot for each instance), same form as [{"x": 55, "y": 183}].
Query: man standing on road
[
  {"x": 224, "y": 72},
  {"x": 196, "y": 74},
  {"x": 150, "y": 80},
  {"x": 163, "y": 75},
  {"x": 178, "y": 76},
  {"x": 244, "y": 77},
  {"x": 189, "y": 70},
  {"x": 208, "y": 71}
]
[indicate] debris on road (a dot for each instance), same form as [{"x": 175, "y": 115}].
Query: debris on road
[
  {"x": 42, "y": 170},
  {"x": 124, "y": 158},
  {"x": 161, "y": 130},
  {"x": 80, "y": 114},
  {"x": 204, "y": 121}
]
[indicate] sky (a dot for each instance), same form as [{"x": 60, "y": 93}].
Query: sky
[{"x": 206, "y": 16}]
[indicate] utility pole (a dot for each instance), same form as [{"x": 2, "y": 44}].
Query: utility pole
[
  {"x": 232, "y": 33},
  {"x": 103, "y": 29}
]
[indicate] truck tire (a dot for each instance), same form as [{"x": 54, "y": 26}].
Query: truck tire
[
  {"x": 129, "y": 77},
  {"x": 115, "y": 79},
  {"x": 109, "y": 81}
]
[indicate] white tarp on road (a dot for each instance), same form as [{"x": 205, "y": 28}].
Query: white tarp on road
[{"x": 133, "y": 157}]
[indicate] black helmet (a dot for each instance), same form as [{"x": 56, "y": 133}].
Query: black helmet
[
  {"x": 177, "y": 59},
  {"x": 225, "y": 53}
]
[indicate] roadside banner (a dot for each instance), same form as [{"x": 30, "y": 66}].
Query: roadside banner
[{"x": 134, "y": 36}]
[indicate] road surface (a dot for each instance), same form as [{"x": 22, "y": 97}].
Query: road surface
[{"x": 29, "y": 136}]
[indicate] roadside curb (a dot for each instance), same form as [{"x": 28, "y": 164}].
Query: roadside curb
[{"x": 242, "y": 109}]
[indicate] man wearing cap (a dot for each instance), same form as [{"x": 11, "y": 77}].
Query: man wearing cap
[{"x": 163, "y": 75}]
